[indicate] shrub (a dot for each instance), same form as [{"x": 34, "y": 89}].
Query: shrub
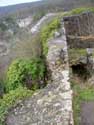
[
  {"x": 81, "y": 10},
  {"x": 27, "y": 73},
  {"x": 47, "y": 32},
  {"x": 11, "y": 99}
]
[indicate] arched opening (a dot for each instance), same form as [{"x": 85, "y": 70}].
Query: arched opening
[{"x": 81, "y": 70}]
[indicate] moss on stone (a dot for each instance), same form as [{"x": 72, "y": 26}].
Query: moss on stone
[{"x": 75, "y": 54}]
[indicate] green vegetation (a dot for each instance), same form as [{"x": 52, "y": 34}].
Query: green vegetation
[
  {"x": 75, "y": 54},
  {"x": 79, "y": 11},
  {"x": 10, "y": 99},
  {"x": 80, "y": 52},
  {"x": 47, "y": 32},
  {"x": 25, "y": 73},
  {"x": 81, "y": 93}
]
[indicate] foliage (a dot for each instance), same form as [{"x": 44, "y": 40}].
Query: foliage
[
  {"x": 25, "y": 72},
  {"x": 79, "y": 11},
  {"x": 47, "y": 32},
  {"x": 11, "y": 99}
]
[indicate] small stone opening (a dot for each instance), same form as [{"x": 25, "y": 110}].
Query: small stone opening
[{"x": 81, "y": 70}]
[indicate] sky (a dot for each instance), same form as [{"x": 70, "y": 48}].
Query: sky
[{"x": 12, "y": 2}]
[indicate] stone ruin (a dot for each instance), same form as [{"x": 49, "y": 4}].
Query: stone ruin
[
  {"x": 53, "y": 104},
  {"x": 80, "y": 35},
  {"x": 80, "y": 30}
]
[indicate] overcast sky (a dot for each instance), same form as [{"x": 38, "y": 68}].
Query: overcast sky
[{"x": 11, "y": 2}]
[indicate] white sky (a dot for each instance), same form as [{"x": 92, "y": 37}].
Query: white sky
[{"x": 11, "y": 2}]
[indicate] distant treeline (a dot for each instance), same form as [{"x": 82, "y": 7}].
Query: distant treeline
[{"x": 41, "y": 7}]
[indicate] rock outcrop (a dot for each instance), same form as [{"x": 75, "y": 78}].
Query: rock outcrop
[{"x": 53, "y": 104}]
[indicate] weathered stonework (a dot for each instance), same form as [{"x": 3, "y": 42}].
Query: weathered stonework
[
  {"x": 80, "y": 30},
  {"x": 53, "y": 104}
]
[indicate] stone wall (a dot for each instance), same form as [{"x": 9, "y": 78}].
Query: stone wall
[
  {"x": 80, "y": 30},
  {"x": 53, "y": 104}
]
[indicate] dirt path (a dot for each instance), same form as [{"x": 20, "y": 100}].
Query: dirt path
[{"x": 37, "y": 27}]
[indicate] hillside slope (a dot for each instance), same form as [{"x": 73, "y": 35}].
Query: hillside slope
[{"x": 43, "y": 6}]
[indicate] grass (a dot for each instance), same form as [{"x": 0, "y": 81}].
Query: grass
[
  {"x": 48, "y": 32},
  {"x": 81, "y": 93},
  {"x": 75, "y": 54},
  {"x": 79, "y": 11},
  {"x": 78, "y": 51}
]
